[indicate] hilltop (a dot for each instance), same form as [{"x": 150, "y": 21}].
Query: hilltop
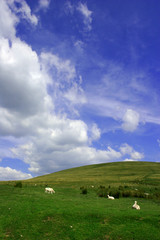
[{"x": 107, "y": 173}]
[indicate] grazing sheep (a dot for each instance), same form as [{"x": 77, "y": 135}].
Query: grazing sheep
[
  {"x": 146, "y": 194},
  {"x": 49, "y": 190},
  {"x": 136, "y": 206},
  {"x": 52, "y": 191},
  {"x": 110, "y": 197}
]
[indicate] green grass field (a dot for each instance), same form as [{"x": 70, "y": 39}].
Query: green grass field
[{"x": 31, "y": 214}]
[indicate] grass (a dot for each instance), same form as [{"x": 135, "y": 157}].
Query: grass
[
  {"x": 110, "y": 173},
  {"x": 31, "y": 214}
]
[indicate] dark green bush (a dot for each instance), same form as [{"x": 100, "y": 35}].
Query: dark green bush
[
  {"x": 115, "y": 193},
  {"x": 84, "y": 191},
  {"x": 126, "y": 193},
  {"x": 157, "y": 195},
  {"x": 18, "y": 184},
  {"x": 120, "y": 187},
  {"x": 102, "y": 193}
]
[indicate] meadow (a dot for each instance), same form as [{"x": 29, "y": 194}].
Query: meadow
[{"x": 29, "y": 213}]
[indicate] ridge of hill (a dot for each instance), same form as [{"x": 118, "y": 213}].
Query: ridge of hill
[{"x": 106, "y": 173}]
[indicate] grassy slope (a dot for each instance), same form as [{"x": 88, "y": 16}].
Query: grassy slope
[
  {"x": 28, "y": 213},
  {"x": 109, "y": 173}
]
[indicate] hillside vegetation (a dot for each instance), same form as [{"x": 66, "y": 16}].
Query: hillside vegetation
[
  {"x": 79, "y": 209},
  {"x": 107, "y": 173}
]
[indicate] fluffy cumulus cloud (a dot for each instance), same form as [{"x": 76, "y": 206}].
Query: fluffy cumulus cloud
[
  {"x": 133, "y": 155},
  {"x": 27, "y": 111},
  {"x": 20, "y": 70},
  {"x": 126, "y": 149},
  {"x": 63, "y": 144},
  {"x": 130, "y": 120},
  {"x": 59, "y": 157},
  {"x": 136, "y": 155},
  {"x": 33, "y": 87},
  {"x": 7, "y": 173},
  {"x": 23, "y": 88},
  {"x": 8, "y": 20}
]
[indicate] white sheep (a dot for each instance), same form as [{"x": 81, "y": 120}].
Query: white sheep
[
  {"x": 136, "y": 206},
  {"x": 49, "y": 190},
  {"x": 110, "y": 197}
]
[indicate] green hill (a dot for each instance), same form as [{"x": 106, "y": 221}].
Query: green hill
[
  {"x": 108, "y": 173},
  {"x": 27, "y": 212}
]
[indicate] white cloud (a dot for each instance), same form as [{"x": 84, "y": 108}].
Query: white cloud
[
  {"x": 43, "y": 4},
  {"x": 83, "y": 9},
  {"x": 75, "y": 94},
  {"x": 130, "y": 120},
  {"x": 95, "y": 132},
  {"x": 7, "y": 173},
  {"x": 23, "y": 10},
  {"x": 126, "y": 149},
  {"x": 8, "y": 21},
  {"x": 130, "y": 160},
  {"x": 26, "y": 108},
  {"x": 20, "y": 69},
  {"x": 69, "y": 8},
  {"x": 66, "y": 84},
  {"x": 32, "y": 88},
  {"x": 136, "y": 155},
  {"x": 62, "y": 67},
  {"x": 79, "y": 45},
  {"x": 61, "y": 155},
  {"x": 119, "y": 90},
  {"x": 26, "y": 98}
]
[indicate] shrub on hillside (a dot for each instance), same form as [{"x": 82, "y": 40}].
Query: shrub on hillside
[
  {"x": 121, "y": 191},
  {"x": 115, "y": 193},
  {"x": 157, "y": 195},
  {"x": 126, "y": 193},
  {"x": 18, "y": 184},
  {"x": 83, "y": 190},
  {"x": 102, "y": 191},
  {"x": 120, "y": 188}
]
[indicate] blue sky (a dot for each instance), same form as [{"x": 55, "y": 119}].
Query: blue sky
[{"x": 79, "y": 84}]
